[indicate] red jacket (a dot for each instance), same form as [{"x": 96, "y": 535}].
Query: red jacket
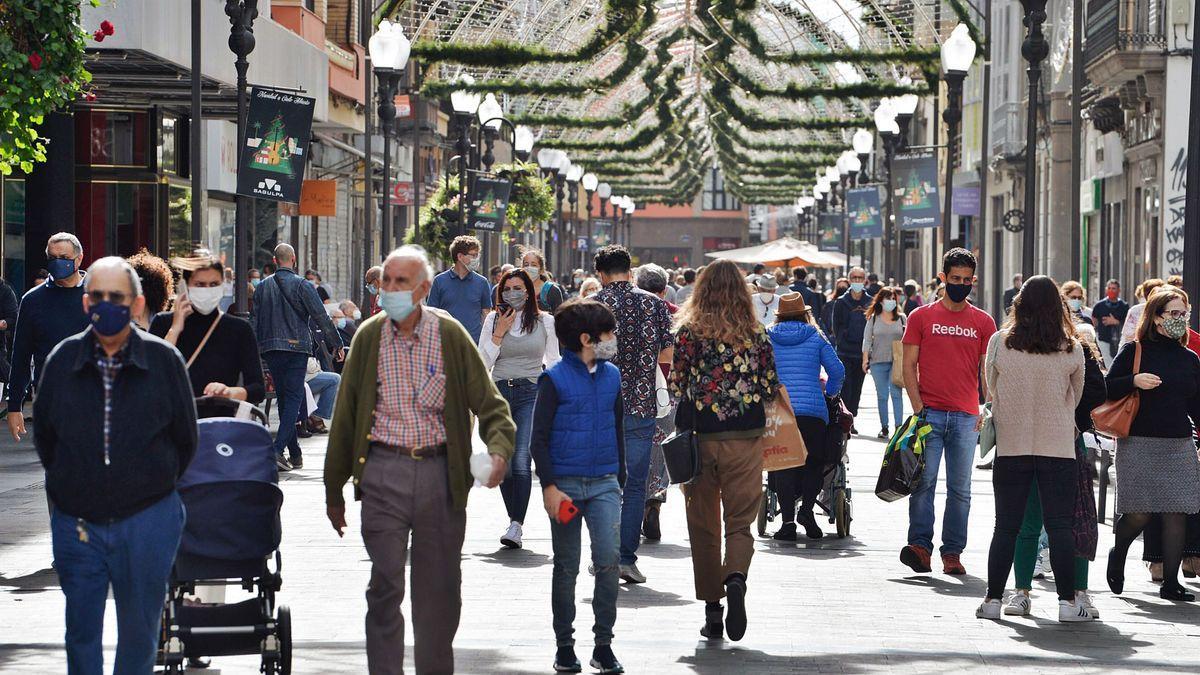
[{"x": 1194, "y": 341}]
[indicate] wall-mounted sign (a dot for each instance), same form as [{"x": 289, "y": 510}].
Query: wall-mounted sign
[
  {"x": 721, "y": 243},
  {"x": 273, "y": 152},
  {"x": 402, "y": 193},
  {"x": 964, "y": 201},
  {"x": 318, "y": 198},
  {"x": 489, "y": 203},
  {"x": 863, "y": 210},
  {"x": 917, "y": 201}
]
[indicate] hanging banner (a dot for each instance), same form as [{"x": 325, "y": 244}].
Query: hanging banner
[
  {"x": 278, "y": 127},
  {"x": 318, "y": 198},
  {"x": 601, "y": 232},
  {"x": 830, "y": 225},
  {"x": 865, "y": 219},
  {"x": 489, "y": 203},
  {"x": 917, "y": 199}
]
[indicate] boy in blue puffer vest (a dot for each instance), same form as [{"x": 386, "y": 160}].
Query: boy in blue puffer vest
[{"x": 579, "y": 455}]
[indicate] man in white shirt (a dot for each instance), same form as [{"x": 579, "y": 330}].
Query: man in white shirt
[{"x": 766, "y": 302}]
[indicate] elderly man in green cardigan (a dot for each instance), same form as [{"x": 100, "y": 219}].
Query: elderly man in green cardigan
[{"x": 402, "y": 433}]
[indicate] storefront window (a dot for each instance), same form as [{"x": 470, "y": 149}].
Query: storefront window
[
  {"x": 217, "y": 235},
  {"x": 179, "y": 220},
  {"x": 169, "y": 158},
  {"x": 114, "y": 218},
  {"x": 12, "y": 216},
  {"x": 112, "y": 138}
]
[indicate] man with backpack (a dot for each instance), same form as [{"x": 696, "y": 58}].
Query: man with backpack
[{"x": 284, "y": 305}]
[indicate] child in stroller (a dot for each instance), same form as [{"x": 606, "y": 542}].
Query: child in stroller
[{"x": 231, "y": 493}]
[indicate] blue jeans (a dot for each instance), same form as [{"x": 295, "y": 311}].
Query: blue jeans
[
  {"x": 324, "y": 386},
  {"x": 882, "y": 374},
  {"x": 134, "y": 556},
  {"x": 954, "y": 436},
  {"x": 288, "y": 370},
  {"x": 639, "y": 436},
  {"x": 517, "y": 484},
  {"x": 599, "y": 503}
]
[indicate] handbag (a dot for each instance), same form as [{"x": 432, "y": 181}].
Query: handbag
[
  {"x": 681, "y": 450},
  {"x": 783, "y": 446},
  {"x": 1113, "y": 418},
  {"x": 898, "y": 363},
  {"x": 903, "y": 460}
]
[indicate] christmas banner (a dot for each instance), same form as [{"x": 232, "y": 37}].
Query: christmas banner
[
  {"x": 917, "y": 198},
  {"x": 601, "y": 232},
  {"x": 278, "y": 128},
  {"x": 865, "y": 219},
  {"x": 831, "y": 225},
  {"x": 489, "y": 203}
]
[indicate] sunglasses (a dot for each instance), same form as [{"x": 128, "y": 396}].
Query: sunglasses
[{"x": 115, "y": 297}]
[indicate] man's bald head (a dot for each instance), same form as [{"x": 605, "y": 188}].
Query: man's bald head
[{"x": 285, "y": 255}]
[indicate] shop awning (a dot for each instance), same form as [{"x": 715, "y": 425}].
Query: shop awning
[{"x": 782, "y": 252}]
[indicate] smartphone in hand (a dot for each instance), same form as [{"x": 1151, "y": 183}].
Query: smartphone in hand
[{"x": 567, "y": 511}]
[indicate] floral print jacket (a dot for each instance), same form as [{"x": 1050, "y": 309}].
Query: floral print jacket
[{"x": 725, "y": 380}]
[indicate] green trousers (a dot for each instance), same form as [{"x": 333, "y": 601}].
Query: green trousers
[{"x": 1025, "y": 553}]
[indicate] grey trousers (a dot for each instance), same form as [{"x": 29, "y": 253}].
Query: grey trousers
[{"x": 405, "y": 498}]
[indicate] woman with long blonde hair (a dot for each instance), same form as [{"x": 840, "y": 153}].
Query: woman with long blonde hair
[{"x": 724, "y": 374}]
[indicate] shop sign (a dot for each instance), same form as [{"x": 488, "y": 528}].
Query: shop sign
[
  {"x": 318, "y": 198},
  {"x": 273, "y": 152},
  {"x": 721, "y": 243},
  {"x": 402, "y": 193},
  {"x": 965, "y": 201}
]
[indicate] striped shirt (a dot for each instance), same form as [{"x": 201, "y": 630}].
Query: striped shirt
[
  {"x": 411, "y": 386},
  {"x": 109, "y": 367}
]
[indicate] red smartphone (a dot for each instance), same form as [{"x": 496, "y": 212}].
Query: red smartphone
[{"x": 566, "y": 511}]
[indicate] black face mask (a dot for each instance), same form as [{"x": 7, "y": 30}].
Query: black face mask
[{"x": 958, "y": 292}]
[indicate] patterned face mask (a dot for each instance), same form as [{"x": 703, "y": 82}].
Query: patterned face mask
[{"x": 1175, "y": 327}]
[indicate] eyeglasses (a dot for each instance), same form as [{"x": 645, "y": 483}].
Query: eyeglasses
[
  {"x": 1176, "y": 314},
  {"x": 115, "y": 297}
]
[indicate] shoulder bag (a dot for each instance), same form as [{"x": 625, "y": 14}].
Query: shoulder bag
[
  {"x": 1113, "y": 418},
  {"x": 204, "y": 341},
  {"x": 681, "y": 450},
  {"x": 898, "y": 358}
]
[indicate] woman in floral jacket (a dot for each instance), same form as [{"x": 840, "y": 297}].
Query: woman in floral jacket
[{"x": 723, "y": 372}]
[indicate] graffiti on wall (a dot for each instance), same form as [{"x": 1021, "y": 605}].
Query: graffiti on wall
[{"x": 1173, "y": 223}]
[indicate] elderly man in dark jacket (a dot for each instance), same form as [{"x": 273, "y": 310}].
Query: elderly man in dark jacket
[
  {"x": 847, "y": 325},
  {"x": 115, "y": 426}
]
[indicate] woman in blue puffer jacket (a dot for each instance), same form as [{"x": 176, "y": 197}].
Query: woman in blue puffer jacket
[{"x": 801, "y": 351}]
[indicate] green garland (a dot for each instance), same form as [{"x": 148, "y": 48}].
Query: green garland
[
  {"x": 728, "y": 149},
  {"x": 803, "y": 92},
  {"x": 720, "y": 98},
  {"x": 717, "y": 124},
  {"x": 620, "y": 20},
  {"x": 42, "y": 68},
  {"x": 642, "y": 137},
  {"x": 635, "y": 54}
]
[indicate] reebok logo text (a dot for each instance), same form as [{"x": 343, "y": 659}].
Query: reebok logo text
[{"x": 939, "y": 329}]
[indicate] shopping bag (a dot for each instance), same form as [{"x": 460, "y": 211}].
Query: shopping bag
[
  {"x": 898, "y": 363},
  {"x": 783, "y": 446},
  {"x": 987, "y": 432},
  {"x": 903, "y": 460}
]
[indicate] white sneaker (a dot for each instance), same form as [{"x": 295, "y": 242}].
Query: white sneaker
[
  {"x": 512, "y": 538},
  {"x": 1082, "y": 598},
  {"x": 990, "y": 609},
  {"x": 1042, "y": 569},
  {"x": 1073, "y": 612},
  {"x": 1018, "y": 604},
  {"x": 632, "y": 574}
]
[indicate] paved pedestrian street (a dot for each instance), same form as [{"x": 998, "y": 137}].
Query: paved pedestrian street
[{"x": 833, "y": 605}]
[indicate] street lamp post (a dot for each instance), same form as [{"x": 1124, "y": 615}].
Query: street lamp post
[
  {"x": 560, "y": 181},
  {"x": 574, "y": 175},
  {"x": 548, "y": 160},
  {"x": 958, "y": 51},
  {"x": 863, "y": 143},
  {"x": 1034, "y": 49},
  {"x": 465, "y": 103},
  {"x": 590, "y": 184},
  {"x": 389, "y": 50},
  {"x": 522, "y": 143},
  {"x": 889, "y": 132},
  {"x": 241, "y": 15}
]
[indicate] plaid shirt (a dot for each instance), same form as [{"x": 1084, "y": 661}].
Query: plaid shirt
[
  {"x": 109, "y": 367},
  {"x": 411, "y": 386}
]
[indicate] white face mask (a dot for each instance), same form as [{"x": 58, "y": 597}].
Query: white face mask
[
  {"x": 606, "y": 350},
  {"x": 533, "y": 272},
  {"x": 766, "y": 296},
  {"x": 472, "y": 263},
  {"x": 205, "y": 300}
]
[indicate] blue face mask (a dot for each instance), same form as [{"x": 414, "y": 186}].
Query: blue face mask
[
  {"x": 372, "y": 290},
  {"x": 60, "y": 268},
  {"x": 857, "y": 286},
  {"x": 255, "y": 282},
  {"x": 108, "y": 318},
  {"x": 397, "y": 304},
  {"x": 341, "y": 324},
  {"x": 889, "y": 305}
]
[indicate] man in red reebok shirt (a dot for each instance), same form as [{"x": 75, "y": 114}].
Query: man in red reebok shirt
[{"x": 944, "y": 347}]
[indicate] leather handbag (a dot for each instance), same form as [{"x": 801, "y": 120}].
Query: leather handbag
[
  {"x": 1113, "y": 418},
  {"x": 681, "y": 450}
]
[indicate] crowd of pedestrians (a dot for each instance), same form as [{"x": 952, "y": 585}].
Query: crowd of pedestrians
[{"x": 583, "y": 382}]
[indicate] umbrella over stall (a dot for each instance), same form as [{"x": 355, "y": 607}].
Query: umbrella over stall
[{"x": 783, "y": 252}]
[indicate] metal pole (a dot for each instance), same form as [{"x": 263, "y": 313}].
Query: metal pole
[
  {"x": 889, "y": 225},
  {"x": 241, "y": 15},
  {"x": 417, "y": 179},
  {"x": 1034, "y": 49},
  {"x": 368, "y": 219},
  {"x": 583, "y": 253},
  {"x": 1076, "y": 141},
  {"x": 1191, "y": 218},
  {"x": 194, "y": 126},
  {"x": 846, "y": 227},
  {"x": 386, "y": 225},
  {"x": 951, "y": 115},
  {"x": 984, "y": 151}
]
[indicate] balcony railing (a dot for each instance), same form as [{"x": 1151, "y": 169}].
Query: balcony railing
[{"x": 1122, "y": 25}]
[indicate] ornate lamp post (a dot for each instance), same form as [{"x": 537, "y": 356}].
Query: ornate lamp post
[
  {"x": 522, "y": 143},
  {"x": 604, "y": 191},
  {"x": 957, "y": 54},
  {"x": 630, "y": 207},
  {"x": 805, "y": 204},
  {"x": 465, "y": 104},
  {"x": 889, "y": 134},
  {"x": 905, "y": 106},
  {"x": 863, "y": 143},
  {"x": 1034, "y": 49},
  {"x": 574, "y": 175},
  {"x": 590, "y": 184},
  {"x": 618, "y": 218},
  {"x": 389, "y": 50},
  {"x": 548, "y": 160},
  {"x": 241, "y": 15}
]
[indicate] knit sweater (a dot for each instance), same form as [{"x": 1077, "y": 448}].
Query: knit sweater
[{"x": 1033, "y": 399}]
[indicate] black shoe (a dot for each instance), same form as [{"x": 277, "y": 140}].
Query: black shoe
[
  {"x": 198, "y": 663},
  {"x": 787, "y": 532},
  {"x": 884, "y": 434},
  {"x": 302, "y": 432},
  {"x": 297, "y": 462},
  {"x": 1175, "y": 592},
  {"x": 282, "y": 463},
  {"x": 714, "y": 617},
  {"x": 316, "y": 425},
  {"x": 811, "y": 529},
  {"x": 651, "y": 528},
  {"x": 1115, "y": 572},
  {"x": 735, "y": 595},
  {"x": 565, "y": 661},
  {"x": 604, "y": 660}
]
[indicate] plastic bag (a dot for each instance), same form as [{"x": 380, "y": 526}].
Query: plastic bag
[{"x": 903, "y": 460}]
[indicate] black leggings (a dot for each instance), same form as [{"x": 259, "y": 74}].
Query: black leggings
[
  {"x": 1152, "y": 536},
  {"x": 1057, "y": 484},
  {"x": 803, "y": 481},
  {"x": 1170, "y": 540}
]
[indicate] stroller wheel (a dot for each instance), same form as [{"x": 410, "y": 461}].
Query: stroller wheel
[
  {"x": 762, "y": 513},
  {"x": 283, "y": 625},
  {"x": 841, "y": 512}
]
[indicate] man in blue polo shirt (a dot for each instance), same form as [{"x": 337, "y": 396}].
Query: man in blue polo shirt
[{"x": 461, "y": 290}]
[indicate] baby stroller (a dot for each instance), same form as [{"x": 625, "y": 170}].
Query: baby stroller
[{"x": 231, "y": 493}]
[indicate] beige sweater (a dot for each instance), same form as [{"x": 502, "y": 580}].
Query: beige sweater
[{"x": 1033, "y": 399}]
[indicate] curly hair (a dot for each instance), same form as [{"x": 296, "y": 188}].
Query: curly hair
[
  {"x": 720, "y": 307},
  {"x": 158, "y": 283}
]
